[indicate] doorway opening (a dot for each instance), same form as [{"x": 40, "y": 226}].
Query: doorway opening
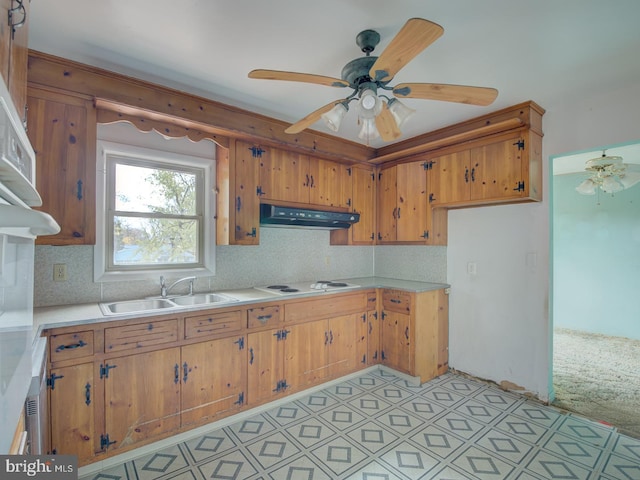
[{"x": 596, "y": 272}]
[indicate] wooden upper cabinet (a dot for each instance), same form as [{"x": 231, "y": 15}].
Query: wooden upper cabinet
[
  {"x": 244, "y": 217},
  {"x": 284, "y": 177},
  {"x": 404, "y": 215},
  {"x": 363, "y": 202},
  {"x": 504, "y": 169},
  {"x": 14, "y": 52},
  {"x": 288, "y": 177},
  {"x": 62, "y": 130}
]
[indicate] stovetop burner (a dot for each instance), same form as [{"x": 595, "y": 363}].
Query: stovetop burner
[{"x": 305, "y": 287}]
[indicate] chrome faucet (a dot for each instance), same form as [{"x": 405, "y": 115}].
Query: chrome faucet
[{"x": 164, "y": 290}]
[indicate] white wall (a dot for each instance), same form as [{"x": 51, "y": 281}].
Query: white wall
[
  {"x": 596, "y": 245},
  {"x": 499, "y": 318}
]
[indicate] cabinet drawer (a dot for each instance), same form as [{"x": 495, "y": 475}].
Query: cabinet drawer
[
  {"x": 396, "y": 301},
  {"x": 212, "y": 324},
  {"x": 71, "y": 345},
  {"x": 155, "y": 332},
  {"x": 324, "y": 307},
  {"x": 263, "y": 316}
]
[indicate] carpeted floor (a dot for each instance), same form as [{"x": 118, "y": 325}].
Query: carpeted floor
[{"x": 599, "y": 377}]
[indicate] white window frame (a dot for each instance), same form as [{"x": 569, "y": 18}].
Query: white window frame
[{"x": 101, "y": 271}]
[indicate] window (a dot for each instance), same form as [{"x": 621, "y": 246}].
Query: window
[{"x": 154, "y": 213}]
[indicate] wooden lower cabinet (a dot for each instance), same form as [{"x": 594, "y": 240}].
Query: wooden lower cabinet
[
  {"x": 142, "y": 397},
  {"x": 71, "y": 411},
  {"x": 109, "y": 394},
  {"x": 415, "y": 332},
  {"x": 213, "y": 377}
]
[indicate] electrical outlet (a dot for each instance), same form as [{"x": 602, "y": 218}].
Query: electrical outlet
[{"x": 60, "y": 272}]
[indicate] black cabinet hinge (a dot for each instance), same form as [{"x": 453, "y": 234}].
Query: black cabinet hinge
[
  {"x": 105, "y": 442},
  {"x": 425, "y": 235},
  {"x": 104, "y": 370},
  {"x": 281, "y": 386},
  {"x": 349, "y": 171},
  {"x": 240, "y": 343},
  {"x": 373, "y": 176},
  {"x": 256, "y": 152},
  {"x": 364, "y": 359},
  {"x": 259, "y": 191},
  {"x": 428, "y": 165},
  {"x": 432, "y": 198},
  {"x": 51, "y": 380},
  {"x": 373, "y": 236},
  {"x": 240, "y": 400},
  {"x": 519, "y": 187},
  {"x": 252, "y": 233},
  {"x": 520, "y": 144}
]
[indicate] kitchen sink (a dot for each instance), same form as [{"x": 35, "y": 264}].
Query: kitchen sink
[
  {"x": 136, "y": 306},
  {"x": 159, "y": 304},
  {"x": 202, "y": 299}
]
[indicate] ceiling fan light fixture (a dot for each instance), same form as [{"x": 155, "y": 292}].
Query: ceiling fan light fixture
[
  {"x": 368, "y": 131},
  {"x": 369, "y": 105},
  {"x": 400, "y": 111},
  {"x": 588, "y": 187},
  {"x": 333, "y": 118},
  {"x": 611, "y": 185}
]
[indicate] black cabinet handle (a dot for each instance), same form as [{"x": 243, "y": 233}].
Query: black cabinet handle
[
  {"x": 394, "y": 300},
  {"x": 251, "y": 356},
  {"x": 185, "y": 368},
  {"x": 264, "y": 318},
  {"x": 466, "y": 175},
  {"x": 326, "y": 338},
  {"x": 406, "y": 333},
  {"x": 72, "y": 346},
  {"x": 176, "y": 372},
  {"x": 87, "y": 393},
  {"x": 79, "y": 190},
  {"x": 238, "y": 203}
]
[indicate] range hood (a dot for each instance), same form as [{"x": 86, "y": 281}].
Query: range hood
[{"x": 276, "y": 216}]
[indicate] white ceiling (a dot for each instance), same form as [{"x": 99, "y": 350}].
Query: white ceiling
[{"x": 548, "y": 51}]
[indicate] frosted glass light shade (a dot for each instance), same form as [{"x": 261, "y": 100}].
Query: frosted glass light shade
[
  {"x": 333, "y": 118},
  {"x": 400, "y": 111},
  {"x": 610, "y": 185},
  {"x": 587, "y": 187},
  {"x": 369, "y": 105},
  {"x": 368, "y": 130}
]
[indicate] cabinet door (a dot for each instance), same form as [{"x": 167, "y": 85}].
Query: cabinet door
[
  {"x": 496, "y": 170},
  {"x": 265, "y": 370},
  {"x": 62, "y": 130},
  {"x": 328, "y": 183},
  {"x": 71, "y": 406},
  {"x": 396, "y": 340},
  {"x": 373, "y": 337},
  {"x": 305, "y": 354},
  {"x": 246, "y": 203},
  {"x": 142, "y": 395},
  {"x": 449, "y": 178},
  {"x": 347, "y": 344},
  {"x": 363, "y": 200},
  {"x": 214, "y": 380},
  {"x": 284, "y": 177},
  {"x": 387, "y": 208},
  {"x": 412, "y": 213}
]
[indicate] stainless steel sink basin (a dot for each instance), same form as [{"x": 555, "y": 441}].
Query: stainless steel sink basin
[
  {"x": 159, "y": 304},
  {"x": 136, "y": 306},
  {"x": 202, "y": 299}
]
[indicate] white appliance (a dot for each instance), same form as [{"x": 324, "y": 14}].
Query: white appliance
[{"x": 19, "y": 225}]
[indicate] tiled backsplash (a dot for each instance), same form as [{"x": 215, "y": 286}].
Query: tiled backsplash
[{"x": 288, "y": 255}]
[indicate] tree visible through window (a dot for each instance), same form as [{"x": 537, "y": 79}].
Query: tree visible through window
[{"x": 155, "y": 214}]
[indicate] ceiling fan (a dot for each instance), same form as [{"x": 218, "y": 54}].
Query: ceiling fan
[
  {"x": 369, "y": 77},
  {"x": 609, "y": 174}
]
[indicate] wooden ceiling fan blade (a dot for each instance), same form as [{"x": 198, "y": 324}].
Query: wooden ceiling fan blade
[
  {"x": 447, "y": 93},
  {"x": 312, "y": 118},
  {"x": 387, "y": 125},
  {"x": 297, "y": 77},
  {"x": 416, "y": 35}
]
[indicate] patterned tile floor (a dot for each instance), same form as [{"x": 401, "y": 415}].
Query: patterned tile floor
[{"x": 376, "y": 426}]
